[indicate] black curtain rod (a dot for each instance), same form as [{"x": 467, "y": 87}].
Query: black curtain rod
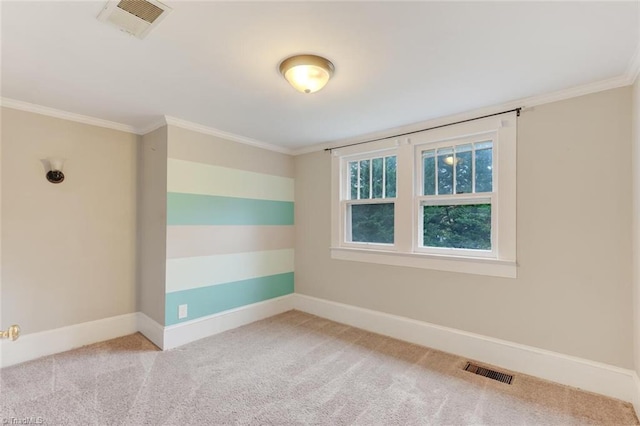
[{"x": 516, "y": 110}]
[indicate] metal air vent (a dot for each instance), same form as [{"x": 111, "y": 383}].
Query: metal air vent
[
  {"x": 492, "y": 374},
  {"x": 144, "y": 10},
  {"x": 136, "y": 17}
]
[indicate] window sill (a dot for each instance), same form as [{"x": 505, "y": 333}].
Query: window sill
[{"x": 466, "y": 265}]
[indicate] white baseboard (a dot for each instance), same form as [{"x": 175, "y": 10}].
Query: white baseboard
[
  {"x": 183, "y": 333},
  {"x": 36, "y": 345},
  {"x": 151, "y": 329},
  {"x": 568, "y": 370},
  {"x": 636, "y": 395}
]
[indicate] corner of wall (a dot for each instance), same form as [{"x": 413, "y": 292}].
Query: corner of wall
[
  {"x": 635, "y": 143},
  {"x": 151, "y": 221}
]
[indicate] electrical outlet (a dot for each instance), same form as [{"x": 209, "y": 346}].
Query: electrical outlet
[{"x": 182, "y": 311}]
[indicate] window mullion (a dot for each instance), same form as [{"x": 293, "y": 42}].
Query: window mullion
[
  {"x": 384, "y": 177},
  {"x": 438, "y": 248},
  {"x": 359, "y": 183},
  {"x": 456, "y": 199},
  {"x": 473, "y": 168},
  {"x": 453, "y": 168},
  {"x": 372, "y": 201},
  {"x": 371, "y": 178},
  {"x": 435, "y": 159},
  {"x": 404, "y": 198}
]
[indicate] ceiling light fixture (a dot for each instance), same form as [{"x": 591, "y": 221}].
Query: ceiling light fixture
[
  {"x": 451, "y": 160},
  {"x": 307, "y": 73}
]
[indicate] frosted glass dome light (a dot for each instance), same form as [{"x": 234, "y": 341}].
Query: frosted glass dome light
[{"x": 307, "y": 73}]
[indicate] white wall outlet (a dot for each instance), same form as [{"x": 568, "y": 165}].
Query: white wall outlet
[{"x": 182, "y": 311}]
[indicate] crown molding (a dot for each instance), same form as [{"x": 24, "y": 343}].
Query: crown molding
[
  {"x": 628, "y": 78},
  {"x": 575, "y": 91},
  {"x": 224, "y": 135},
  {"x": 633, "y": 71},
  {"x": 151, "y": 127},
  {"x": 524, "y": 103},
  {"x": 65, "y": 115},
  {"x": 166, "y": 120}
]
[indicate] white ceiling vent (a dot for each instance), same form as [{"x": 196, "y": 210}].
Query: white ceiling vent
[{"x": 136, "y": 17}]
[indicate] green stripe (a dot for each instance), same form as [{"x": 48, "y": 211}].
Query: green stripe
[
  {"x": 210, "y": 300},
  {"x": 196, "y": 209}
]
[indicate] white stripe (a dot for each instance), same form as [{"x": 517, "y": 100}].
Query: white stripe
[
  {"x": 198, "y": 178},
  {"x": 194, "y": 272}
]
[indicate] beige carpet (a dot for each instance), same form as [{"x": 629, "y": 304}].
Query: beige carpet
[{"x": 290, "y": 369}]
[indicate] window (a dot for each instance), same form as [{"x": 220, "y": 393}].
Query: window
[
  {"x": 456, "y": 197},
  {"x": 370, "y": 202},
  {"x": 441, "y": 199}
]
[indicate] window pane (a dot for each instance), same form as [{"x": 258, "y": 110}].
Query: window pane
[
  {"x": 372, "y": 223},
  {"x": 390, "y": 170},
  {"x": 353, "y": 180},
  {"x": 458, "y": 226},
  {"x": 364, "y": 179},
  {"x": 377, "y": 165},
  {"x": 464, "y": 169},
  {"x": 445, "y": 171},
  {"x": 429, "y": 172},
  {"x": 484, "y": 167}
]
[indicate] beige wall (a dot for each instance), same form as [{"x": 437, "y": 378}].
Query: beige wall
[
  {"x": 574, "y": 213},
  {"x": 69, "y": 250},
  {"x": 152, "y": 223},
  {"x": 195, "y": 146},
  {"x": 635, "y": 114},
  {"x": 2, "y": 326}
]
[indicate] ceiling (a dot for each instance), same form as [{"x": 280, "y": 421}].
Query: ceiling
[{"x": 216, "y": 63}]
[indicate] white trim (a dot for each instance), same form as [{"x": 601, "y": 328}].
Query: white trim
[
  {"x": 65, "y": 115},
  {"x": 577, "y": 91},
  {"x": 466, "y": 265},
  {"x": 636, "y": 394},
  {"x": 625, "y": 79},
  {"x": 151, "y": 127},
  {"x": 633, "y": 70},
  {"x": 572, "y": 92},
  {"x": 150, "y": 329},
  {"x": 502, "y": 131},
  {"x": 569, "y": 370},
  {"x": 224, "y": 135},
  {"x": 565, "y": 369},
  {"x": 186, "y": 332},
  {"x": 36, "y": 345},
  {"x": 49, "y": 342},
  {"x": 166, "y": 120},
  {"x": 473, "y": 197}
]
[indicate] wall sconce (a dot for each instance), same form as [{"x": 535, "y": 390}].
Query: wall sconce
[{"x": 54, "y": 172}]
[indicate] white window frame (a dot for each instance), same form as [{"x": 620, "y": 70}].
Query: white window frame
[
  {"x": 406, "y": 250},
  {"x": 452, "y": 199},
  {"x": 345, "y": 202}
]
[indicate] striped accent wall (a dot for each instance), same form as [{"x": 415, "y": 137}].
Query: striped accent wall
[{"x": 230, "y": 238}]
